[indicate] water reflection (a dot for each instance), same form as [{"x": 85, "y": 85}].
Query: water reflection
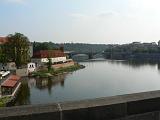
[
  {"x": 98, "y": 79},
  {"x": 135, "y": 63},
  {"x": 23, "y": 97},
  {"x": 158, "y": 66}
]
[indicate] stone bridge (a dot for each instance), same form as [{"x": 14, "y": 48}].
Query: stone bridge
[
  {"x": 138, "y": 106},
  {"x": 91, "y": 55}
]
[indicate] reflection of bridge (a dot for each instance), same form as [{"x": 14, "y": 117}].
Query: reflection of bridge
[{"x": 90, "y": 55}]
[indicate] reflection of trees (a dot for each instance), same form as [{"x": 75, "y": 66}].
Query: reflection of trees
[
  {"x": 158, "y": 66},
  {"x": 48, "y": 83},
  {"x": 23, "y": 97},
  {"x": 62, "y": 83},
  {"x": 135, "y": 63}
]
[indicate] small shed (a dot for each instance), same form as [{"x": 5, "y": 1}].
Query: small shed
[{"x": 9, "y": 85}]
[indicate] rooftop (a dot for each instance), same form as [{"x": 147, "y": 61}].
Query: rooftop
[
  {"x": 48, "y": 54},
  {"x": 11, "y": 81}
]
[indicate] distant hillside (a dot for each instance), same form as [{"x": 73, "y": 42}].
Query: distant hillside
[
  {"x": 77, "y": 47},
  {"x": 84, "y": 48}
]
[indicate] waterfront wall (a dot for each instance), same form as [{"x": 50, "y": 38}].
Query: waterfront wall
[
  {"x": 139, "y": 106},
  {"x": 68, "y": 64},
  {"x": 22, "y": 72}
]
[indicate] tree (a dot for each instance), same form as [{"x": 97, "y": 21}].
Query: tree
[
  {"x": 49, "y": 64},
  {"x": 37, "y": 46},
  {"x": 17, "y": 49},
  {"x": 3, "y": 57}
]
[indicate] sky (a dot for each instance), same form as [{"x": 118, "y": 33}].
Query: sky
[{"x": 82, "y": 21}]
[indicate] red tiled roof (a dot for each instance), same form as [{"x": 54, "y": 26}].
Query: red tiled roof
[
  {"x": 48, "y": 54},
  {"x": 3, "y": 40},
  {"x": 11, "y": 81}
]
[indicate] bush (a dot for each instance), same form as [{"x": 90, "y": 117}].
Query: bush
[{"x": 4, "y": 100}]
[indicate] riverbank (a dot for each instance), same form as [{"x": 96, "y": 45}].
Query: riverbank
[
  {"x": 5, "y": 100},
  {"x": 57, "y": 71},
  {"x": 8, "y": 100}
]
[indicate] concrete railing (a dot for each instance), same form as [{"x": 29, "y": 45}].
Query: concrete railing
[{"x": 138, "y": 106}]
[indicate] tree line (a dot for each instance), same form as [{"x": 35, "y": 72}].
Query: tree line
[
  {"x": 16, "y": 49},
  {"x": 76, "y": 47}
]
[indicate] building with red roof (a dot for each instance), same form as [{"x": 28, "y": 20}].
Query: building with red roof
[
  {"x": 10, "y": 84},
  {"x": 56, "y": 56}
]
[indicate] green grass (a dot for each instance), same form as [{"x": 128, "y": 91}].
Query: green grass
[
  {"x": 4, "y": 100},
  {"x": 44, "y": 73},
  {"x": 40, "y": 74}
]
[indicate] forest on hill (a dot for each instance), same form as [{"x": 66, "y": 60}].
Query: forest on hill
[{"x": 76, "y": 47}]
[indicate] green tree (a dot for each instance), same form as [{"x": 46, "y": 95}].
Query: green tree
[
  {"x": 49, "y": 64},
  {"x": 3, "y": 57},
  {"x": 17, "y": 49}
]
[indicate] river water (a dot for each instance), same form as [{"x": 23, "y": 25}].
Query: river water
[{"x": 98, "y": 79}]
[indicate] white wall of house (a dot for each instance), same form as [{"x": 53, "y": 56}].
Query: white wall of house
[
  {"x": 45, "y": 60},
  {"x": 31, "y": 67},
  {"x": 58, "y": 59}
]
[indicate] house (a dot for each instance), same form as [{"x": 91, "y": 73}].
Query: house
[
  {"x": 56, "y": 56},
  {"x": 10, "y": 85},
  {"x": 31, "y": 67}
]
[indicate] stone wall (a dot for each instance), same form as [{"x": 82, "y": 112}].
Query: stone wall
[
  {"x": 138, "y": 106},
  {"x": 22, "y": 72},
  {"x": 63, "y": 65}
]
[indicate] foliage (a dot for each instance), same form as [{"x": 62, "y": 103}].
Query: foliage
[
  {"x": 17, "y": 49},
  {"x": 3, "y": 58},
  {"x": 41, "y": 74},
  {"x": 37, "y": 46},
  {"x": 76, "y": 47},
  {"x": 133, "y": 48},
  {"x": 45, "y": 73},
  {"x": 4, "y": 100},
  {"x": 49, "y": 64}
]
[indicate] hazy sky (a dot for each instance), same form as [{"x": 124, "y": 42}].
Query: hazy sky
[{"x": 89, "y": 21}]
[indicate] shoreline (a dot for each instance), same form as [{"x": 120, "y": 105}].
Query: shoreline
[{"x": 57, "y": 71}]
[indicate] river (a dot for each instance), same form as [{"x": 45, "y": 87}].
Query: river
[{"x": 98, "y": 79}]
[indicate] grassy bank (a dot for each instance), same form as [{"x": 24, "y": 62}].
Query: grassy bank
[
  {"x": 4, "y": 101},
  {"x": 52, "y": 72}
]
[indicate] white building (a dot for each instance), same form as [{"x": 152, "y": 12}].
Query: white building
[{"x": 31, "y": 67}]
